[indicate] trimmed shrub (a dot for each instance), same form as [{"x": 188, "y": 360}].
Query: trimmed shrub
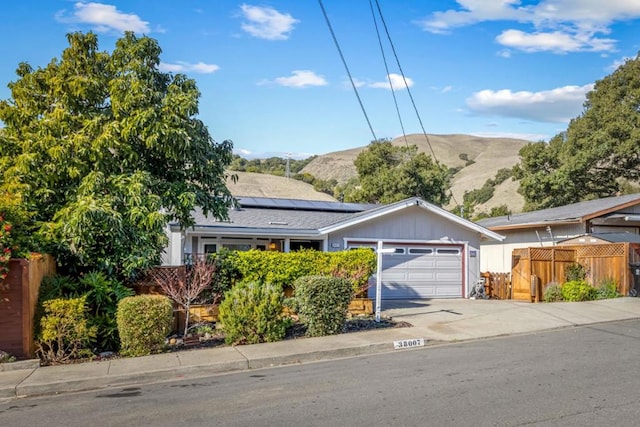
[
  {"x": 608, "y": 288},
  {"x": 578, "y": 290},
  {"x": 102, "y": 296},
  {"x": 322, "y": 303},
  {"x": 144, "y": 321},
  {"x": 65, "y": 333},
  {"x": 251, "y": 312},
  {"x": 552, "y": 293},
  {"x": 282, "y": 269}
]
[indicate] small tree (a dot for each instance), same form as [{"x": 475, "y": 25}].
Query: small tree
[{"x": 184, "y": 291}]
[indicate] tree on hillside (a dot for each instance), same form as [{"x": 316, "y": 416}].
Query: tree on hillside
[
  {"x": 104, "y": 149},
  {"x": 599, "y": 152},
  {"x": 388, "y": 174}
]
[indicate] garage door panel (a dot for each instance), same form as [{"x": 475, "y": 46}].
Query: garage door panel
[{"x": 432, "y": 275}]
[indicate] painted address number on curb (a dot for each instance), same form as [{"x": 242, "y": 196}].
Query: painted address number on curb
[{"x": 418, "y": 342}]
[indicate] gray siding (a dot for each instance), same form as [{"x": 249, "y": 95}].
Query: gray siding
[{"x": 410, "y": 224}]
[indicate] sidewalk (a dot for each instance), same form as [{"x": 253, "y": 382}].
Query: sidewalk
[{"x": 436, "y": 321}]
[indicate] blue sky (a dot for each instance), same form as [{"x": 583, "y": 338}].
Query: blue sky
[{"x": 272, "y": 80}]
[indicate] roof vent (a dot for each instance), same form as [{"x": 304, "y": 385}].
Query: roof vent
[{"x": 278, "y": 223}]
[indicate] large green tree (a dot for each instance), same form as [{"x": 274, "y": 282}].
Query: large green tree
[
  {"x": 389, "y": 173},
  {"x": 597, "y": 155},
  {"x": 105, "y": 149}
]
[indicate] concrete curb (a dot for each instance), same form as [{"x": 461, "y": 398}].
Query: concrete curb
[{"x": 21, "y": 364}]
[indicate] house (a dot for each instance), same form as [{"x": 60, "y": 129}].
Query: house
[
  {"x": 548, "y": 227},
  {"x": 435, "y": 253}
]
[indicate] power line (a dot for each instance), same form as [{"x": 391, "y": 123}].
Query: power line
[
  {"x": 404, "y": 79},
  {"x": 344, "y": 62}
]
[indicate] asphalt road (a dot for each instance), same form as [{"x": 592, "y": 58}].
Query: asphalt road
[{"x": 587, "y": 376}]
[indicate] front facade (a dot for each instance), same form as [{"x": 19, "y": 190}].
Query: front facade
[
  {"x": 435, "y": 253},
  {"x": 548, "y": 227}
]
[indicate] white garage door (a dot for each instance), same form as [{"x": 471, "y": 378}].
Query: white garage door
[{"x": 421, "y": 272}]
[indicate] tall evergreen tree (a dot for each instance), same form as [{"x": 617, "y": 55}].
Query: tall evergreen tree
[{"x": 104, "y": 149}]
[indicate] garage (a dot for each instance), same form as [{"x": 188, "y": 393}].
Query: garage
[{"x": 416, "y": 272}]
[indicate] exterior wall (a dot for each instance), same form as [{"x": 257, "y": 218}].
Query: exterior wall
[
  {"x": 414, "y": 223},
  {"x": 173, "y": 254},
  {"x": 417, "y": 225},
  {"x": 495, "y": 257}
]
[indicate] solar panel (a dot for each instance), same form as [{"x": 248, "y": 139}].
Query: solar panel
[{"x": 311, "y": 205}]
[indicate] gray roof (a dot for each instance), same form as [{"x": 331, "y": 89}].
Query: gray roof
[
  {"x": 261, "y": 216},
  {"x": 576, "y": 212},
  {"x": 284, "y": 216},
  {"x": 612, "y": 237},
  {"x": 286, "y": 220}
]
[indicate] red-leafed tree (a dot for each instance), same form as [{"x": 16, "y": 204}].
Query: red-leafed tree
[{"x": 185, "y": 289}]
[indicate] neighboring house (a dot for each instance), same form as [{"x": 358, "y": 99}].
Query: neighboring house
[
  {"x": 547, "y": 227},
  {"x": 436, "y": 252}
]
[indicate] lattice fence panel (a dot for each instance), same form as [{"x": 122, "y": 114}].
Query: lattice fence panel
[
  {"x": 601, "y": 251},
  {"x": 540, "y": 254}
]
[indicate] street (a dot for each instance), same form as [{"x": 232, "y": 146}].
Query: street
[{"x": 570, "y": 377}]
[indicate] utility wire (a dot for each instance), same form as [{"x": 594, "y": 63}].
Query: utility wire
[
  {"x": 404, "y": 79},
  {"x": 395, "y": 54},
  {"x": 344, "y": 62},
  {"x": 386, "y": 67}
]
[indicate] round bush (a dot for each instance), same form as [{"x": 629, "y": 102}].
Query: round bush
[
  {"x": 144, "y": 321},
  {"x": 322, "y": 303},
  {"x": 552, "y": 293},
  {"x": 578, "y": 290},
  {"x": 252, "y": 312}
]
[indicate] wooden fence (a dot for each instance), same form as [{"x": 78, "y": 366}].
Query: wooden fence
[
  {"x": 497, "y": 285},
  {"x": 533, "y": 269},
  {"x": 18, "y": 303}
]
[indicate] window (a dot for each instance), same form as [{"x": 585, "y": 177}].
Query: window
[
  {"x": 452, "y": 251},
  {"x": 398, "y": 251},
  {"x": 416, "y": 251},
  {"x": 237, "y": 247},
  {"x": 210, "y": 248}
]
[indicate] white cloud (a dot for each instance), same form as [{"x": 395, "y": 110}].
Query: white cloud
[
  {"x": 301, "y": 78},
  {"x": 103, "y": 18},
  {"x": 185, "y": 67},
  {"x": 556, "y": 41},
  {"x": 557, "y": 25},
  {"x": 267, "y": 23},
  {"x": 397, "y": 81},
  {"x": 558, "y": 105}
]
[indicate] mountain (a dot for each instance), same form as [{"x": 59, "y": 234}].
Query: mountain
[
  {"x": 485, "y": 156},
  {"x": 264, "y": 185}
]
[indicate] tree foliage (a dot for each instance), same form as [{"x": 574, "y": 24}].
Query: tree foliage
[
  {"x": 598, "y": 153},
  {"x": 388, "y": 173},
  {"x": 99, "y": 144}
]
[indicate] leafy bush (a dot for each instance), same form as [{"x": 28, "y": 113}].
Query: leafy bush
[
  {"x": 283, "y": 269},
  {"x": 143, "y": 323},
  {"x": 356, "y": 265},
  {"x": 102, "y": 297},
  {"x": 552, "y": 293},
  {"x": 578, "y": 290},
  {"x": 226, "y": 274},
  {"x": 65, "y": 332},
  {"x": 575, "y": 272},
  {"x": 322, "y": 303},
  {"x": 606, "y": 289},
  {"x": 251, "y": 313}
]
